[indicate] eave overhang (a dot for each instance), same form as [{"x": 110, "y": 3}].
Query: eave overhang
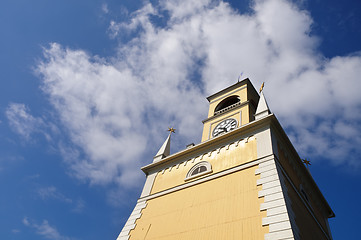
[
  {"x": 230, "y": 88},
  {"x": 248, "y": 128}
]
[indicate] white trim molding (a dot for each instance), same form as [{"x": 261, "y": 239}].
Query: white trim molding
[
  {"x": 130, "y": 224},
  {"x": 280, "y": 217}
]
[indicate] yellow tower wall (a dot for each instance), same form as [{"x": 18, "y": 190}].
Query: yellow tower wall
[
  {"x": 227, "y": 207},
  {"x": 174, "y": 176}
]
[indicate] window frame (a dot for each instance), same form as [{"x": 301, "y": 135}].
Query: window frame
[{"x": 206, "y": 164}]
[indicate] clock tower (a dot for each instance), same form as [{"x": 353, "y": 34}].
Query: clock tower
[
  {"x": 244, "y": 180},
  {"x": 229, "y": 109}
]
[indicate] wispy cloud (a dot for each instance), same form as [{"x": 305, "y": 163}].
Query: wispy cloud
[
  {"x": 79, "y": 206},
  {"x": 15, "y": 231},
  {"x": 45, "y": 229},
  {"x": 21, "y": 121},
  {"x": 52, "y": 193},
  {"x": 105, "y": 8},
  {"x": 115, "y": 110}
]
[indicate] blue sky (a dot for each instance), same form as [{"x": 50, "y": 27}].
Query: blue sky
[{"x": 88, "y": 88}]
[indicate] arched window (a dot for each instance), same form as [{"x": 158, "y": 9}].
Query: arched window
[
  {"x": 226, "y": 104},
  {"x": 199, "y": 169}
]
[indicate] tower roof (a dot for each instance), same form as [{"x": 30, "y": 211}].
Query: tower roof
[{"x": 236, "y": 85}]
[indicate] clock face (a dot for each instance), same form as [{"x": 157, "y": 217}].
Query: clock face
[{"x": 224, "y": 126}]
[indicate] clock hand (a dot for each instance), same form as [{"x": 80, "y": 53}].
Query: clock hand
[{"x": 225, "y": 129}]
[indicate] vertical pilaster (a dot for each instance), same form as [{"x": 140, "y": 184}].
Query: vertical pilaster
[
  {"x": 148, "y": 185},
  {"x": 280, "y": 217}
]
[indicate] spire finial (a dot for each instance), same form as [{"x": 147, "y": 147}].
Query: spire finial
[
  {"x": 261, "y": 89},
  {"x": 171, "y": 130}
]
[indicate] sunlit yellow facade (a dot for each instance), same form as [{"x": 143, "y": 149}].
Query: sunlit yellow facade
[
  {"x": 243, "y": 181},
  {"x": 223, "y": 160},
  {"x": 215, "y": 209}
]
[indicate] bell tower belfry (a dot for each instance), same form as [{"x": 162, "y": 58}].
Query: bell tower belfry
[
  {"x": 244, "y": 180},
  {"x": 237, "y": 103}
]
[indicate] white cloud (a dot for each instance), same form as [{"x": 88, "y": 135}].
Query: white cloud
[
  {"x": 115, "y": 110},
  {"x": 21, "y": 121},
  {"x": 140, "y": 19},
  {"x": 45, "y": 229}
]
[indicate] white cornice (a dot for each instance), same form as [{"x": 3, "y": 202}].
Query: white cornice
[{"x": 238, "y": 133}]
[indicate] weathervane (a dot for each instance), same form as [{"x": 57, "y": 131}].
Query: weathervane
[
  {"x": 239, "y": 77},
  {"x": 261, "y": 89},
  {"x": 171, "y": 130},
  {"x": 306, "y": 162}
]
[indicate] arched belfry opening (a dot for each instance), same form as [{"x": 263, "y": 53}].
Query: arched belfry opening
[{"x": 226, "y": 104}]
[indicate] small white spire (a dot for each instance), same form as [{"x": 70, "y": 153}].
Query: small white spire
[
  {"x": 164, "y": 151},
  {"x": 262, "y": 108}
]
